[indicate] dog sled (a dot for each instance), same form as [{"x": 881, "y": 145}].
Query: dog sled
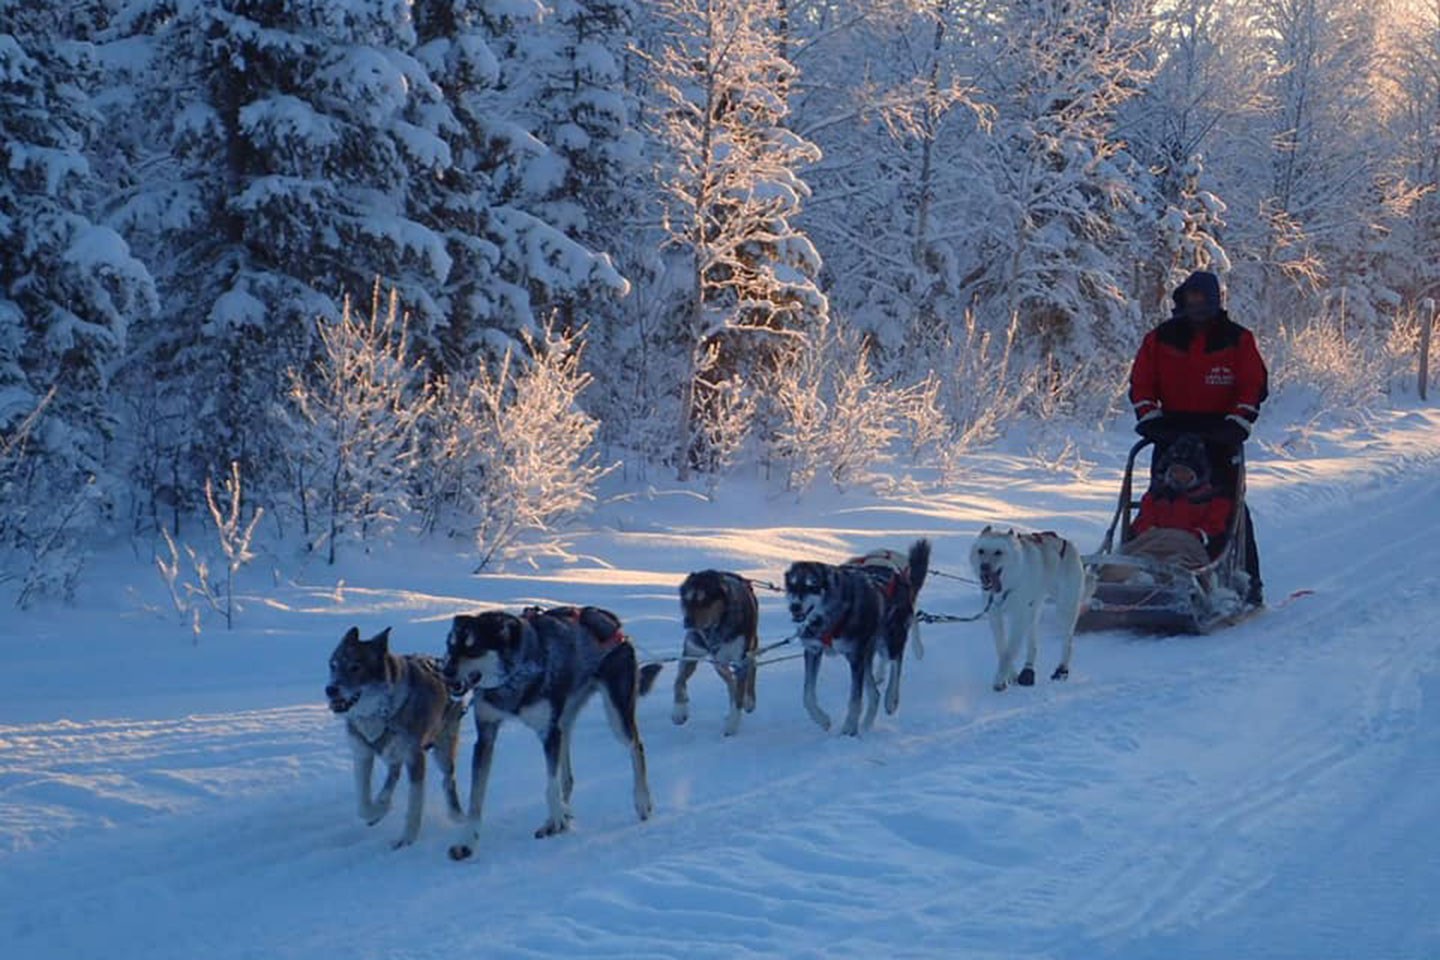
[{"x": 1136, "y": 592}]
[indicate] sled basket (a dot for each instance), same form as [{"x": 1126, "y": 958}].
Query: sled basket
[{"x": 1161, "y": 598}]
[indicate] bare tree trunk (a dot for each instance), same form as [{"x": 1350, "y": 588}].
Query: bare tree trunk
[
  {"x": 1427, "y": 329},
  {"x": 692, "y": 372},
  {"x": 927, "y": 149}
]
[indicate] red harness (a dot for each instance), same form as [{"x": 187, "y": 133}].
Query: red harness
[
  {"x": 573, "y": 615},
  {"x": 1040, "y": 538},
  {"x": 828, "y": 637}
]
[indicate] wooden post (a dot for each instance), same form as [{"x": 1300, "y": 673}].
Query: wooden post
[{"x": 1427, "y": 327}]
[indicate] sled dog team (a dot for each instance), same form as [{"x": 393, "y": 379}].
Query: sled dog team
[{"x": 541, "y": 666}]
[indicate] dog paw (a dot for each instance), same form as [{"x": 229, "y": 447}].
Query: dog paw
[
  {"x": 1062, "y": 672},
  {"x": 822, "y": 719},
  {"x": 680, "y": 713},
  {"x": 551, "y": 828},
  {"x": 402, "y": 843},
  {"x": 461, "y": 851},
  {"x": 1026, "y": 677},
  {"x": 850, "y": 729}
]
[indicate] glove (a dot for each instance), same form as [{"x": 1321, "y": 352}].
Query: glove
[
  {"x": 1154, "y": 428},
  {"x": 1230, "y": 433}
]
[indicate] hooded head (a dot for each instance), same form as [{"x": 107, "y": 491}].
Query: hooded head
[
  {"x": 1198, "y": 298},
  {"x": 1185, "y": 465}
]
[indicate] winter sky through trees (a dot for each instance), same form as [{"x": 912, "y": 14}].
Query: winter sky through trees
[{"x": 644, "y": 221}]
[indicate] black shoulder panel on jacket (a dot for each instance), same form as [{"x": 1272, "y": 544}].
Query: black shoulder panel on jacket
[
  {"x": 1174, "y": 333},
  {"x": 1223, "y": 334}
]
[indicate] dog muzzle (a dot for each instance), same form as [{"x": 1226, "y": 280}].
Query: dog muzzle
[
  {"x": 339, "y": 704},
  {"x": 989, "y": 579}
]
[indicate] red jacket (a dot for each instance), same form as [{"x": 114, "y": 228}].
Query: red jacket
[
  {"x": 1211, "y": 369},
  {"x": 1201, "y": 512}
]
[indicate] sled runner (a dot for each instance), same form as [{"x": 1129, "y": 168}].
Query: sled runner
[{"x": 1146, "y": 595}]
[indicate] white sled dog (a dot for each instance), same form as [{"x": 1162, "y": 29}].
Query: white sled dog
[{"x": 1017, "y": 572}]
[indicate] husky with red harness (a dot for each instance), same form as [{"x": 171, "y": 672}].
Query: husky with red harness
[
  {"x": 721, "y": 619},
  {"x": 860, "y": 613},
  {"x": 900, "y": 576},
  {"x": 541, "y": 667}
]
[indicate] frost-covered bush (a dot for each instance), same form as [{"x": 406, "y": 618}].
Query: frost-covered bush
[
  {"x": 356, "y": 416},
  {"x": 510, "y": 450},
  {"x": 189, "y": 584},
  {"x": 1344, "y": 366},
  {"x": 49, "y": 513},
  {"x": 724, "y": 416},
  {"x": 831, "y": 413}
]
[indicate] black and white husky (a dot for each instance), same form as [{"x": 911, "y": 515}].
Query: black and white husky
[
  {"x": 542, "y": 667},
  {"x": 848, "y": 610},
  {"x": 395, "y": 708},
  {"x": 721, "y": 625},
  {"x": 900, "y": 577}
]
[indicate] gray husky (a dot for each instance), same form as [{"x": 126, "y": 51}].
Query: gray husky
[
  {"x": 542, "y": 667},
  {"x": 721, "y": 625},
  {"x": 395, "y": 707},
  {"x": 852, "y": 611}
]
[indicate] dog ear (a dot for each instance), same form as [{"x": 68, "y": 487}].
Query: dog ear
[
  {"x": 987, "y": 531},
  {"x": 514, "y": 633},
  {"x": 351, "y": 636},
  {"x": 382, "y": 638}
]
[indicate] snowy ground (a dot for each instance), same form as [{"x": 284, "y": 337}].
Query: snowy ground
[{"x": 1266, "y": 792}]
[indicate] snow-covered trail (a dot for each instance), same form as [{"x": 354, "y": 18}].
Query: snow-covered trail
[{"x": 1265, "y": 792}]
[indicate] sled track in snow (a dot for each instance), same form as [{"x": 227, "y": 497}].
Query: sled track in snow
[{"x": 1152, "y": 793}]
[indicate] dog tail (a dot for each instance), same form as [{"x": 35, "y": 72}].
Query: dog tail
[
  {"x": 648, "y": 673},
  {"x": 919, "y": 563}
]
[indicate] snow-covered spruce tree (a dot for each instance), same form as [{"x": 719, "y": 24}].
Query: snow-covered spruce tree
[
  {"x": 729, "y": 172},
  {"x": 69, "y": 292},
  {"x": 509, "y": 449},
  {"x": 574, "y": 61},
  {"x": 356, "y": 424},
  {"x": 293, "y": 135},
  {"x": 497, "y": 205},
  {"x": 1064, "y": 185},
  {"x": 584, "y": 105}
]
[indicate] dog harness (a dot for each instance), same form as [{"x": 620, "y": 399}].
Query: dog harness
[
  {"x": 1040, "y": 538},
  {"x": 575, "y": 615},
  {"x": 885, "y": 560},
  {"x": 836, "y": 629}
]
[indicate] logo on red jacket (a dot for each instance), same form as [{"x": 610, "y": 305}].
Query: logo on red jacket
[{"x": 1220, "y": 375}]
